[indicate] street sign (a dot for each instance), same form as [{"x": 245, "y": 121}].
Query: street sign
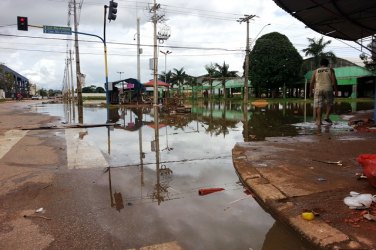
[{"x": 57, "y": 30}]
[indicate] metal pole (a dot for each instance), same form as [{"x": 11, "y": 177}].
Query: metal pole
[
  {"x": 166, "y": 53},
  {"x": 138, "y": 51},
  {"x": 108, "y": 88},
  {"x": 78, "y": 70}
]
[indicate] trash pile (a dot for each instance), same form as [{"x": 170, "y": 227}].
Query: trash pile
[
  {"x": 363, "y": 125},
  {"x": 365, "y": 202},
  {"x": 368, "y": 163},
  {"x": 359, "y": 201}
]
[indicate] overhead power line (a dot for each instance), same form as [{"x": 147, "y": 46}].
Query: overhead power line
[{"x": 120, "y": 43}]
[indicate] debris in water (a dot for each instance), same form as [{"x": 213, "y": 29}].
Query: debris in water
[{"x": 205, "y": 191}]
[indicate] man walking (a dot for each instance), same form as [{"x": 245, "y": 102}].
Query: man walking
[{"x": 323, "y": 83}]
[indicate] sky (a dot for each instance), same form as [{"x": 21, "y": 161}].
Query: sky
[{"x": 202, "y": 32}]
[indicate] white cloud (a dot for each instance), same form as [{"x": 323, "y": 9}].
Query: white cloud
[{"x": 194, "y": 23}]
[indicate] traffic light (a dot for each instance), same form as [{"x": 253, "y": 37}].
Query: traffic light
[
  {"x": 112, "y": 10},
  {"x": 22, "y": 23}
]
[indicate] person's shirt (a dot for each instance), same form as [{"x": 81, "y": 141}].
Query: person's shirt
[{"x": 323, "y": 76}]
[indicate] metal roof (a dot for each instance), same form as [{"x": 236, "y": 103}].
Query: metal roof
[
  {"x": 344, "y": 19},
  {"x": 346, "y": 75}
]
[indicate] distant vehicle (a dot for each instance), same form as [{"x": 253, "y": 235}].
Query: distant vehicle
[{"x": 36, "y": 97}]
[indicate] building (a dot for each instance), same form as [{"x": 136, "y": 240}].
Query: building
[{"x": 12, "y": 82}]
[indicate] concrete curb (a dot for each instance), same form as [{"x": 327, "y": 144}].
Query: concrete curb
[{"x": 250, "y": 166}]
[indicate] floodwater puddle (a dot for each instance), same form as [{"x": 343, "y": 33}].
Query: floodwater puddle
[{"x": 151, "y": 167}]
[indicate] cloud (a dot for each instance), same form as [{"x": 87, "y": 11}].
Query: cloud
[{"x": 196, "y": 23}]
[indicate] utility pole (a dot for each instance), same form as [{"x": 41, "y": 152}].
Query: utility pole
[
  {"x": 120, "y": 72},
  {"x": 138, "y": 50},
  {"x": 78, "y": 69},
  {"x": 72, "y": 85},
  {"x": 246, "y": 19},
  {"x": 165, "y": 62}
]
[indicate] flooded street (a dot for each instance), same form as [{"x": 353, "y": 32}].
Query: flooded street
[{"x": 154, "y": 164}]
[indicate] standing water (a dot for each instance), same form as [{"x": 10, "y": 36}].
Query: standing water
[{"x": 151, "y": 166}]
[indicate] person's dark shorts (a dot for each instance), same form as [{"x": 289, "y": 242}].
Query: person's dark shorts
[{"x": 322, "y": 98}]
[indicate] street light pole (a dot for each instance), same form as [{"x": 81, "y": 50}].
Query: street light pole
[
  {"x": 165, "y": 62},
  {"x": 120, "y": 72}
]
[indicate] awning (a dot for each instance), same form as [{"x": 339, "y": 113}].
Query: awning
[
  {"x": 159, "y": 83},
  {"x": 344, "y": 19}
]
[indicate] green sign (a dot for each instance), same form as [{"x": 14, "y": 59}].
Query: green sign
[{"x": 57, "y": 30}]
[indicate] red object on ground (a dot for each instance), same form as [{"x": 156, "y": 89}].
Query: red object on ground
[
  {"x": 205, "y": 191},
  {"x": 368, "y": 162}
]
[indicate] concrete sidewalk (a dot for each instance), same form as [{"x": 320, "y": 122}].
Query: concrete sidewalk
[{"x": 286, "y": 179}]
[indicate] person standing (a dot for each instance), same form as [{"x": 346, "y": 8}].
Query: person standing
[{"x": 323, "y": 83}]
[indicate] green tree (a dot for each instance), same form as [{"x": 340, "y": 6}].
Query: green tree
[
  {"x": 211, "y": 69},
  {"x": 43, "y": 92},
  {"x": 370, "y": 60},
  {"x": 178, "y": 78},
  {"x": 192, "y": 81},
  {"x": 166, "y": 77},
  {"x": 89, "y": 89},
  {"x": 274, "y": 62},
  {"x": 224, "y": 74},
  {"x": 6, "y": 80},
  {"x": 316, "y": 50},
  {"x": 100, "y": 90}
]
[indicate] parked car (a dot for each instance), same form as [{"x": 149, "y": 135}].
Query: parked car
[{"x": 36, "y": 97}]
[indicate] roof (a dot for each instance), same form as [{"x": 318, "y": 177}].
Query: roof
[
  {"x": 159, "y": 83},
  {"x": 346, "y": 75},
  {"x": 346, "y": 19},
  {"x": 16, "y": 74}
]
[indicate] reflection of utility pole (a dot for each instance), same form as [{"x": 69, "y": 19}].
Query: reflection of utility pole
[
  {"x": 78, "y": 70},
  {"x": 246, "y": 67},
  {"x": 155, "y": 61},
  {"x": 165, "y": 62}
]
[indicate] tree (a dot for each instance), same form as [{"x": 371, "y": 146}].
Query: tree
[
  {"x": 178, "y": 78},
  {"x": 274, "y": 62},
  {"x": 192, "y": 81},
  {"x": 42, "y": 92},
  {"x": 166, "y": 77},
  {"x": 6, "y": 80},
  {"x": 100, "y": 90},
  {"x": 370, "y": 60},
  {"x": 316, "y": 50},
  {"x": 89, "y": 89},
  {"x": 211, "y": 69},
  {"x": 223, "y": 73}
]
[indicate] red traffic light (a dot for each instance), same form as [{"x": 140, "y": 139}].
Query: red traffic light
[{"x": 22, "y": 23}]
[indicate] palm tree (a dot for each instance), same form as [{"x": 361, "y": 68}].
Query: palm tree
[
  {"x": 178, "y": 77},
  {"x": 166, "y": 77},
  {"x": 192, "y": 81},
  {"x": 316, "y": 50},
  {"x": 211, "y": 69},
  {"x": 223, "y": 73}
]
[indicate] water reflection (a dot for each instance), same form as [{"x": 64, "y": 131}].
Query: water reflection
[
  {"x": 283, "y": 238},
  {"x": 116, "y": 198},
  {"x": 159, "y": 161}
]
